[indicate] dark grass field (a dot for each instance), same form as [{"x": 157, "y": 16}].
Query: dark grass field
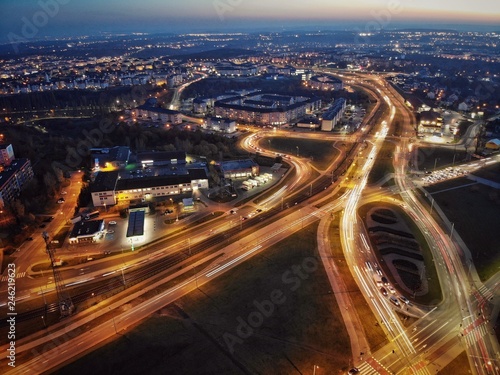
[
  {"x": 201, "y": 333},
  {"x": 322, "y": 152},
  {"x": 474, "y": 209}
]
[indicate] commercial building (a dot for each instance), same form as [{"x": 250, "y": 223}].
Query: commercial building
[
  {"x": 85, "y": 232},
  {"x": 239, "y": 168},
  {"x": 430, "y": 122},
  {"x": 114, "y": 157},
  {"x": 102, "y": 189},
  {"x": 109, "y": 189},
  {"x": 161, "y": 158},
  {"x": 135, "y": 228},
  {"x": 309, "y": 122},
  {"x": 493, "y": 144}
]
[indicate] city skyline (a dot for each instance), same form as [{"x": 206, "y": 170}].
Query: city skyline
[{"x": 58, "y": 18}]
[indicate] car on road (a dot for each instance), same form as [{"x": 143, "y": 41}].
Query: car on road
[
  {"x": 110, "y": 231},
  {"x": 64, "y": 192},
  {"x": 383, "y": 291},
  {"x": 48, "y": 219},
  {"x": 385, "y": 281},
  {"x": 391, "y": 289},
  {"x": 244, "y": 218},
  {"x": 404, "y": 299},
  {"x": 259, "y": 210},
  {"x": 60, "y": 200},
  {"x": 394, "y": 300},
  {"x": 112, "y": 222},
  {"x": 354, "y": 370},
  {"x": 232, "y": 212}
]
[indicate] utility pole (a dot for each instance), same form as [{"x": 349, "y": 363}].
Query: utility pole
[{"x": 66, "y": 306}]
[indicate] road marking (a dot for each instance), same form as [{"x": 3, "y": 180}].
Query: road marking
[{"x": 18, "y": 276}]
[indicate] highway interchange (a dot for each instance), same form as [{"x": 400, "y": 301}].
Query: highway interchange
[{"x": 442, "y": 332}]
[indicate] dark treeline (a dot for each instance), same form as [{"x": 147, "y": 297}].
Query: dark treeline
[
  {"x": 56, "y": 146},
  {"x": 71, "y": 99}
]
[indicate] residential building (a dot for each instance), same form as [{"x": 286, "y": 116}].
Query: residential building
[
  {"x": 13, "y": 178},
  {"x": 220, "y": 124},
  {"x": 266, "y": 108},
  {"x": 333, "y": 115},
  {"x": 6, "y": 154},
  {"x": 324, "y": 83}
]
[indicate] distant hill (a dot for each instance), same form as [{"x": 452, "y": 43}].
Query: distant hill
[{"x": 220, "y": 53}]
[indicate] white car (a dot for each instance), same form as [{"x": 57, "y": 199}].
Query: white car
[{"x": 112, "y": 223}]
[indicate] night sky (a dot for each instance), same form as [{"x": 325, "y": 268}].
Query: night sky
[{"x": 86, "y": 17}]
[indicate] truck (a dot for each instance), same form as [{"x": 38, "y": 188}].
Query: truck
[
  {"x": 57, "y": 262},
  {"x": 377, "y": 279},
  {"x": 246, "y": 185},
  {"x": 255, "y": 183},
  {"x": 260, "y": 179},
  {"x": 76, "y": 219},
  {"x": 91, "y": 215}
]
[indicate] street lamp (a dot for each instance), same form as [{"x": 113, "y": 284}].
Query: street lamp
[{"x": 435, "y": 162}]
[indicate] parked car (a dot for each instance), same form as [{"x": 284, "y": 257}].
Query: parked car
[
  {"x": 112, "y": 222},
  {"x": 383, "y": 291}
]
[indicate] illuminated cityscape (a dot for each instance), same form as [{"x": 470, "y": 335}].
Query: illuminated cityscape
[{"x": 249, "y": 188}]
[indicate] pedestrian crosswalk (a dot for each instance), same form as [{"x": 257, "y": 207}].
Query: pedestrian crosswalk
[
  {"x": 365, "y": 368},
  {"x": 18, "y": 276},
  {"x": 373, "y": 367},
  {"x": 471, "y": 338},
  {"x": 485, "y": 292}
]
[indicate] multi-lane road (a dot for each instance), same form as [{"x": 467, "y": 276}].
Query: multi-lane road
[{"x": 438, "y": 336}]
